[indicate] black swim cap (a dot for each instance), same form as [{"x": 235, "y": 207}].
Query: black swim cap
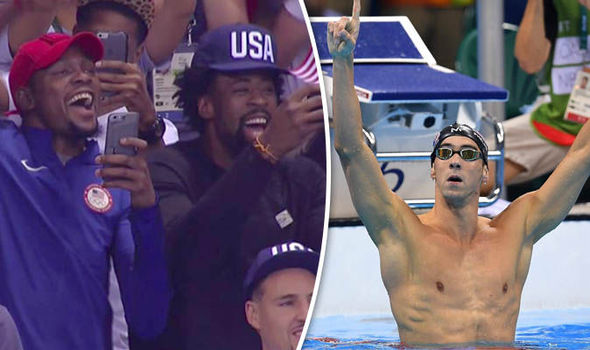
[{"x": 460, "y": 130}]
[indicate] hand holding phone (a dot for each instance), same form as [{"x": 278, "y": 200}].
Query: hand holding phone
[
  {"x": 121, "y": 125},
  {"x": 123, "y": 164},
  {"x": 128, "y": 89}
]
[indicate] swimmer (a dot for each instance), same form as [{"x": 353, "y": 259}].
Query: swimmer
[{"x": 452, "y": 277}]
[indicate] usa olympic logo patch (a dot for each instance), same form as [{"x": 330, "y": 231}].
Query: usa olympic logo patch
[{"x": 98, "y": 198}]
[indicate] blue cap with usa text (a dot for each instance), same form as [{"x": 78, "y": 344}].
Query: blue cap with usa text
[
  {"x": 237, "y": 47},
  {"x": 279, "y": 257}
]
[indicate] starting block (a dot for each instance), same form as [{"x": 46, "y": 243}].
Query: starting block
[{"x": 405, "y": 100}]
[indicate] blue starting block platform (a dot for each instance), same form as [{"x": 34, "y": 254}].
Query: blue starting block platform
[
  {"x": 405, "y": 100},
  {"x": 393, "y": 63},
  {"x": 375, "y": 42},
  {"x": 419, "y": 83}
]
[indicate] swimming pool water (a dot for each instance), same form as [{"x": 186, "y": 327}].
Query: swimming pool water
[{"x": 537, "y": 329}]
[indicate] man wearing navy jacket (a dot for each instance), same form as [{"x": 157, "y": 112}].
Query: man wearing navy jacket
[{"x": 63, "y": 213}]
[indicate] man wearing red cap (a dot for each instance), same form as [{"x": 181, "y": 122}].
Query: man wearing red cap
[
  {"x": 65, "y": 209},
  {"x": 127, "y": 90}
]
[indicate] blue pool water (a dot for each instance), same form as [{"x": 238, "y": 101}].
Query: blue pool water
[{"x": 538, "y": 329}]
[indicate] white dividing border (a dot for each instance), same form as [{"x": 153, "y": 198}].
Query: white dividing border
[
  {"x": 408, "y": 27},
  {"x": 318, "y": 276}
]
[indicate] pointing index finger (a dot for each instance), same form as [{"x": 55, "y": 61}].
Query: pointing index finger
[{"x": 356, "y": 9}]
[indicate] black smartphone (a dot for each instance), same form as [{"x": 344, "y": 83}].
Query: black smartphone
[{"x": 120, "y": 125}]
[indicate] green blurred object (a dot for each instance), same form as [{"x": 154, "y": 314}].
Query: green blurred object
[
  {"x": 521, "y": 85},
  {"x": 462, "y": 3}
]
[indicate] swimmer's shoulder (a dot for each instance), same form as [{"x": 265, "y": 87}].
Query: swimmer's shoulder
[
  {"x": 429, "y": 223},
  {"x": 483, "y": 220},
  {"x": 427, "y": 219},
  {"x": 514, "y": 217}
]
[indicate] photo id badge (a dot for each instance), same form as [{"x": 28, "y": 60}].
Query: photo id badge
[
  {"x": 578, "y": 106},
  {"x": 163, "y": 83}
]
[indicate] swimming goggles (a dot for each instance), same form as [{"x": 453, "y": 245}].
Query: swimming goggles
[{"x": 467, "y": 154}]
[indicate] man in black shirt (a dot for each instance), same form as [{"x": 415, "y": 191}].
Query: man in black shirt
[{"x": 234, "y": 190}]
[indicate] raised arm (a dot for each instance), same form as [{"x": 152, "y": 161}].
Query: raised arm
[
  {"x": 168, "y": 28},
  {"x": 532, "y": 47},
  {"x": 548, "y": 206},
  {"x": 291, "y": 34},
  {"x": 6, "y": 11},
  {"x": 219, "y": 13},
  {"x": 379, "y": 208},
  {"x": 31, "y": 19}
]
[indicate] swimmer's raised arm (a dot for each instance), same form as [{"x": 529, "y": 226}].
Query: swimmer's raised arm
[
  {"x": 549, "y": 205},
  {"x": 382, "y": 212}
]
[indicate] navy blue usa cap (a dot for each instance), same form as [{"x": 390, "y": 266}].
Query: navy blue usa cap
[
  {"x": 279, "y": 257},
  {"x": 237, "y": 47}
]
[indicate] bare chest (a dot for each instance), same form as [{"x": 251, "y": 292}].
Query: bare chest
[
  {"x": 442, "y": 290},
  {"x": 468, "y": 276},
  {"x": 486, "y": 270}
]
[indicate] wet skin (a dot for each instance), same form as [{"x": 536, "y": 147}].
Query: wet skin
[
  {"x": 450, "y": 287},
  {"x": 443, "y": 292},
  {"x": 452, "y": 277}
]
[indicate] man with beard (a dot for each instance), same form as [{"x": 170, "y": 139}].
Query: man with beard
[
  {"x": 66, "y": 209},
  {"x": 127, "y": 89},
  {"x": 453, "y": 278},
  {"x": 232, "y": 191}
]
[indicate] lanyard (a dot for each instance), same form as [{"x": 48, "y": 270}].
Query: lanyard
[
  {"x": 583, "y": 27},
  {"x": 189, "y": 31},
  {"x": 57, "y": 26}
]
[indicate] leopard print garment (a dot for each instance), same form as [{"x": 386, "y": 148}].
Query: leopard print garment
[{"x": 144, "y": 8}]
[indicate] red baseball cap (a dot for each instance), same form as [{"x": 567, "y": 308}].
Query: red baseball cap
[{"x": 46, "y": 50}]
